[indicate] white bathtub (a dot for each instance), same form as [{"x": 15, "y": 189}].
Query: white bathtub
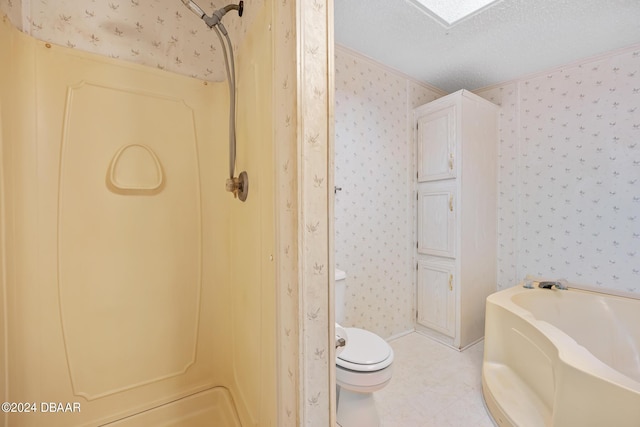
[{"x": 562, "y": 358}]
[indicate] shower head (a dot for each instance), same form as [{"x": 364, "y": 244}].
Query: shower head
[{"x": 216, "y": 17}]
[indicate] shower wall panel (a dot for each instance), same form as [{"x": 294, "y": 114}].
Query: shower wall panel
[
  {"x": 4, "y": 79},
  {"x": 16, "y": 97},
  {"x": 117, "y": 267},
  {"x": 253, "y": 234}
]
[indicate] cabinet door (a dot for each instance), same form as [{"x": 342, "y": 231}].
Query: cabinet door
[
  {"x": 436, "y": 296},
  {"x": 436, "y": 134},
  {"x": 436, "y": 222}
]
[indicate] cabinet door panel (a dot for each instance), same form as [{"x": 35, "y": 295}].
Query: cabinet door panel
[
  {"x": 436, "y": 296},
  {"x": 436, "y": 133},
  {"x": 436, "y": 223}
]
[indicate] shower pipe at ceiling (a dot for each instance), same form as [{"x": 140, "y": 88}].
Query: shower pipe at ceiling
[{"x": 238, "y": 186}]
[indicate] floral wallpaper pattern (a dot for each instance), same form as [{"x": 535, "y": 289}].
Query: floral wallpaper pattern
[
  {"x": 374, "y": 211},
  {"x": 507, "y": 96},
  {"x": 156, "y": 33},
  {"x": 315, "y": 45},
  {"x": 570, "y": 173},
  {"x": 286, "y": 212},
  {"x": 569, "y": 166},
  {"x": 13, "y": 10}
]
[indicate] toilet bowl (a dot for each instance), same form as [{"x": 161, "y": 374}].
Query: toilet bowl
[{"x": 363, "y": 366}]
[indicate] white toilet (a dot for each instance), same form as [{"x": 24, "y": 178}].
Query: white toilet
[{"x": 363, "y": 366}]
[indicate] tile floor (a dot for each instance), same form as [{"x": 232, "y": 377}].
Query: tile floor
[{"x": 433, "y": 386}]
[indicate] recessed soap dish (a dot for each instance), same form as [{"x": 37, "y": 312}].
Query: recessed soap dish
[{"x": 135, "y": 169}]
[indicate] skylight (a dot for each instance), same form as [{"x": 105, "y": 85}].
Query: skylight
[{"x": 452, "y": 11}]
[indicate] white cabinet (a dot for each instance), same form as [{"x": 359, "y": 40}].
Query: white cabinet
[
  {"x": 436, "y": 219},
  {"x": 456, "y": 140},
  {"x": 436, "y": 295},
  {"x": 436, "y": 140}
]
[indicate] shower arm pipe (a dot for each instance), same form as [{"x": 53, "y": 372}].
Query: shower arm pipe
[{"x": 216, "y": 17}]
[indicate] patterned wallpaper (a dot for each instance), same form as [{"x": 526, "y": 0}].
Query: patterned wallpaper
[
  {"x": 315, "y": 42},
  {"x": 286, "y": 214},
  {"x": 570, "y": 173},
  {"x": 374, "y": 212},
  {"x": 506, "y": 95},
  {"x": 156, "y": 33},
  {"x": 569, "y": 180},
  {"x": 13, "y": 10}
]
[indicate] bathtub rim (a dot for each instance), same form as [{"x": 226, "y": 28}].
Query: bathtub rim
[
  {"x": 569, "y": 351},
  {"x": 582, "y": 287}
]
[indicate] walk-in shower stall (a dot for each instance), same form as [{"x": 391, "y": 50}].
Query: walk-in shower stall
[{"x": 134, "y": 287}]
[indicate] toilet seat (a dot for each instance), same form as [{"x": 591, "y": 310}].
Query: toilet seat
[{"x": 365, "y": 352}]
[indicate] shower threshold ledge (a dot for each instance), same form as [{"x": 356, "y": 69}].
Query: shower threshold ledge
[{"x": 204, "y": 409}]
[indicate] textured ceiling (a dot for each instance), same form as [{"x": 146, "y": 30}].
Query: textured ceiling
[{"x": 510, "y": 39}]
